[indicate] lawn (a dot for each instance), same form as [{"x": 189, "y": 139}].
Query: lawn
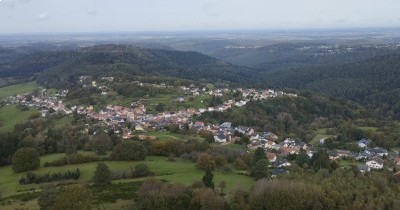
[
  {"x": 320, "y": 134},
  {"x": 17, "y": 89},
  {"x": 179, "y": 171},
  {"x": 11, "y": 115}
]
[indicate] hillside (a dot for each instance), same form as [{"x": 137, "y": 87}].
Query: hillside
[
  {"x": 288, "y": 55},
  {"x": 374, "y": 82},
  {"x": 62, "y": 66}
]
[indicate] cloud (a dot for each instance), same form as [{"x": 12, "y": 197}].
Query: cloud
[
  {"x": 341, "y": 21},
  {"x": 91, "y": 11},
  {"x": 209, "y": 9},
  {"x": 43, "y": 16}
]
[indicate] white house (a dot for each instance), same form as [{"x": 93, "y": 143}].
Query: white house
[
  {"x": 220, "y": 138},
  {"x": 375, "y": 163},
  {"x": 363, "y": 143}
]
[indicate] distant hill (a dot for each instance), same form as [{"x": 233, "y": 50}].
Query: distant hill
[
  {"x": 284, "y": 56},
  {"x": 374, "y": 82},
  {"x": 62, "y": 66}
]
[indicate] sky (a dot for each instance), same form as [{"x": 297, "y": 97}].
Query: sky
[{"x": 56, "y": 16}]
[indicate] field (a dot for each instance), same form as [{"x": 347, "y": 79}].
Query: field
[
  {"x": 17, "y": 89},
  {"x": 11, "y": 115},
  {"x": 179, "y": 171},
  {"x": 320, "y": 134},
  {"x": 165, "y": 135}
]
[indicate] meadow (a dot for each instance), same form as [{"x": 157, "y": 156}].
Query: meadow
[
  {"x": 10, "y": 115},
  {"x": 17, "y": 89},
  {"x": 178, "y": 171}
]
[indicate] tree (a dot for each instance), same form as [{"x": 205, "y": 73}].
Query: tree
[
  {"x": 102, "y": 175},
  {"x": 259, "y": 154},
  {"x": 239, "y": 164},
  {"x": 25, "y": 159},
  {"x": 205, "y": 162},
  {"x": 129, "y": 150},
  {"x": 48, "y": 196},
  {"x": 302, "y": 159},
  {"x": 101, "y": 143},
  {"x": 260, "y": 169},
  {"x": 320, "y": 160},
  {"x": 208, "y": 179},
  {"x": 238, "y": 199},
  {"x": 73, "y": 197},
  {"x": 222, "y": 186},
  {"x": 208, "y": 136}
]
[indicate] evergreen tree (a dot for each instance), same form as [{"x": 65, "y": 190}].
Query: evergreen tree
[
  {"x": 260, "y": 169},
  {"x": 259, "y": 154},
  {"x": 208, "y": 179},
  {"x": 302, "y": 159},
  {"x": 102, "y": 175}
]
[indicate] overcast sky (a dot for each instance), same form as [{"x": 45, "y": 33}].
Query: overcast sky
[{"x": 20, "y": 16}]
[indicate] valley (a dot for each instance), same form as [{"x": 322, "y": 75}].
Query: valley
[{"x": 302, "y": 116}]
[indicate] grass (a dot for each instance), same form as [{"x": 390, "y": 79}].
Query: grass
[
  {"x": 165, "y": 135},
  {"x": 11, "y": 115},
  {"x": 17, "y": 89},
  {"x": 373, "y": 129},
  {"x": 320, "y": 134},
  {"x": 179, "y": 171}
]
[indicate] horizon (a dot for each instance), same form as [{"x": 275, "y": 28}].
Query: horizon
[
  {"x": 97, "y": 16},
  {"x": 209, "y": 31}
]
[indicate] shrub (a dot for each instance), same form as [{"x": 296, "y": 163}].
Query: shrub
[{"x": 34, "y": 178}]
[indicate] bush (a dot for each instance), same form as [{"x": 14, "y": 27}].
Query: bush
[
  {"x": 34, "y": 178},
  {"x": 74, "y": 159},
  {"x": 25, "y": 159}
]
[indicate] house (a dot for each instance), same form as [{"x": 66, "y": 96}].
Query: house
[
  {"x": 285, "y": 151},
  {"x": 377, "y": 151},
  {"x": 282, "y": 163},
  {"x": 364, "y": 143},
  {"x": 375, "y": 163},
  {"x": 221, "y": 137},
  {"x": 226, "y": 126},
  {"x": 271, "y": 157},
  {"x": 270, "y": 145},
  {"x": 397, "y": 160},
  {"x": 245, "y": 130},
  {"x": 363, "y": 168},
  {"x": 344, "y": 153}
]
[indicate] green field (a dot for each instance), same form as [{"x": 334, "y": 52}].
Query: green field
[
  {"x": 165, "y": 135},
  {"x": 11, "y": 115},
  {"x": 373, "y": 129},
  {"x": 319, "y": 134},
  {"x": 17, "y": 89},
  {"x": 179, "y": 171}
]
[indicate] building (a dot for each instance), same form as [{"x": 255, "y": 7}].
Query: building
[{"x": 375, "y": 163}]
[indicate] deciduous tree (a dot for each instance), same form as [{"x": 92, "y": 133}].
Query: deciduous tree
[{"x": 25, "y": 159}]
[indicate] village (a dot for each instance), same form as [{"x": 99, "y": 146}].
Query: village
[{"x": 114, "y": 118}]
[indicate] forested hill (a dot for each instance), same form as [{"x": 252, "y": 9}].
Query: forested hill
[
  {"x": 374, "y": 82},
  {"x": 62, "y": 66}
]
